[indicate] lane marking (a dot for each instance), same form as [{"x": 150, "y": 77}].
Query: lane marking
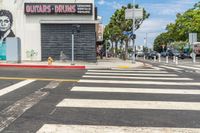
[
  {"x": 134, "y": 69},
  {"x": 129, "y": 104},
  {"x": 173, "y": 68},
  {"x": 136, "y": 90},
  {"x": 131, "y": 74},
  {"x": 41, "y": 79},
  {"x": 158, "y": 68},
  {"x": 11, "y": 113},
  {"x": 189, "y": 67},
  {"x": 15, "y": 86},
  {"x": 140, "y": 82},
  {"x": 123, "y": 77},
  {"x": 153, "y": 71},
  {"x": 58, "y": 128}
]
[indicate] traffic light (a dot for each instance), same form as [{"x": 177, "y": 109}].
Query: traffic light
[{"x": 133, "y": 36}]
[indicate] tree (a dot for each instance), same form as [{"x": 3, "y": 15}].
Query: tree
[
  {"x": 161, "y": 41},
  {"x": 179, "y": 30},
  {"x": 185, "y": 23},
  {"x": 118, "y": 25}
]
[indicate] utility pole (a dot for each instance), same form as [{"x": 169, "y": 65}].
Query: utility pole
[{"x": 146, "y": 40}]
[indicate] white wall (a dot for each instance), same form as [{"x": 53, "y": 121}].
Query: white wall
[{"x": 27, "y": 27}]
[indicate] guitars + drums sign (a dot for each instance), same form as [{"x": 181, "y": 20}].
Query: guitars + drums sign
[{"x": 58, "y": 8}]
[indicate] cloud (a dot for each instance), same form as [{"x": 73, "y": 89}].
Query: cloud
[
  {"x": 101, "y": 2},
  {"x": 114, "y": 4},
  {"x": 161, "y": 15},
  {"x": 151, "y": 27},
  {"x": 173, "y": 7}
]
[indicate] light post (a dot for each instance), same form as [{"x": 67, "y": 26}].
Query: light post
[{"x": 75, "y": 28}]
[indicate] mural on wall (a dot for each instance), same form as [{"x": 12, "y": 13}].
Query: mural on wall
[{"x": 6, "y": 23}]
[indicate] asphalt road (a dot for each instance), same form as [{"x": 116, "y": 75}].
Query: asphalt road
[{"x": 136, "y": 100}]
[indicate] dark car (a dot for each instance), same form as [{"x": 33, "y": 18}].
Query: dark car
[
  {"x": 175, "y": 53},
  {"x": 152, "y": 54},
  {"x": 163, "y": 54}
]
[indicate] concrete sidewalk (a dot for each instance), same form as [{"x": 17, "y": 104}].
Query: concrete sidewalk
[{"x": 106, "y": 63}]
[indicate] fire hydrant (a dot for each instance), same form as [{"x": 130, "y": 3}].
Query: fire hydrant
[{"x": 50, "y": 60}]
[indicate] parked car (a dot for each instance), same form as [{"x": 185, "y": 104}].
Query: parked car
[
  {"x": 140, "y": 54},
  {"x": 175, "y": 53},
  {"x": 152, "y": 54},
  {"x": 163, "y": 54},
  {"x": 187, "y": 55}
]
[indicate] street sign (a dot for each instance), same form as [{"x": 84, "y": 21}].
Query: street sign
[
  {"x": 138, "y": 13},
  {"x": 192, "y": 38},
  {"x": 127, "y": 32}
]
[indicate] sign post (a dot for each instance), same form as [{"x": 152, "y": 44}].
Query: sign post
[
  {"x": 133, "y": 14},
  {"x": 192, "y": 39}
]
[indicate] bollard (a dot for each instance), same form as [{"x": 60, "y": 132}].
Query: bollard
[
  {"x": 174, "y": 58},
  {"x": 167, "y": 59},
  {"x": 144, "y": 57},
  {"x": 154, "y": 58},
  {"x": 193, "y": 57},
  {"x": 176, "y": 61},
  {"x": 50, "y": 60},
  {"x": 159, "y": 58}
]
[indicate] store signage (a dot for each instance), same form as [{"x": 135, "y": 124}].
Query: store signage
[{"x": 58, "y": 8}]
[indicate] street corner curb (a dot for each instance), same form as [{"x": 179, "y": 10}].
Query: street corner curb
[
  {"x": 123, "y": 67},
  {"x": 97, "y": 67},
  {"x": 41, "y": 66}
]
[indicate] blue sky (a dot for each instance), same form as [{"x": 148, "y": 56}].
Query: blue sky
[{"x": 162, "y": 13}]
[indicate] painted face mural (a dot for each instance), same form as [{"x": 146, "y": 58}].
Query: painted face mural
[
  {"x": 5, "y": 24},
  {"x": 6, "y": 21}
]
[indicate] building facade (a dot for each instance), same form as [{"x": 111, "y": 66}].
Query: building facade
[{"x": 45, "y": 28}]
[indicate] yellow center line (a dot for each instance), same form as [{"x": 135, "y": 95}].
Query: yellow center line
[{"x": 42, "y": 79}]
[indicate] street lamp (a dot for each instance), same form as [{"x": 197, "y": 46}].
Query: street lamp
[{"x": 75, "y": 28}]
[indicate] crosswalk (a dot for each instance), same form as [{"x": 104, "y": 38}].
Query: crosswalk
[
  {"x": 181, "y": 67},
  {"x": 109, "y": 108}
]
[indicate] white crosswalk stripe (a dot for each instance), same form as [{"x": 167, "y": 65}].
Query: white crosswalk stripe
[
  {"x": 56, "y": 128},
  {"x": 112, "y": 77},
  {"x": 158, "y": 68},
  {"x": 173, "y": 68},
  {"x": 136, "y": 90},
  {"x": 125, "y": 71},
  {"x": 189, "y": 67},
  {"x": 126, "y": 104},
  {"x": 131, "y": 74},
  {"x": 125, "y": 77},
  {"x": 15, "y": 86},
  {"x": 140, "y": 82}
]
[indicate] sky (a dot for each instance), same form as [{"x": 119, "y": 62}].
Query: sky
[{"x": 162, "y": 12}]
